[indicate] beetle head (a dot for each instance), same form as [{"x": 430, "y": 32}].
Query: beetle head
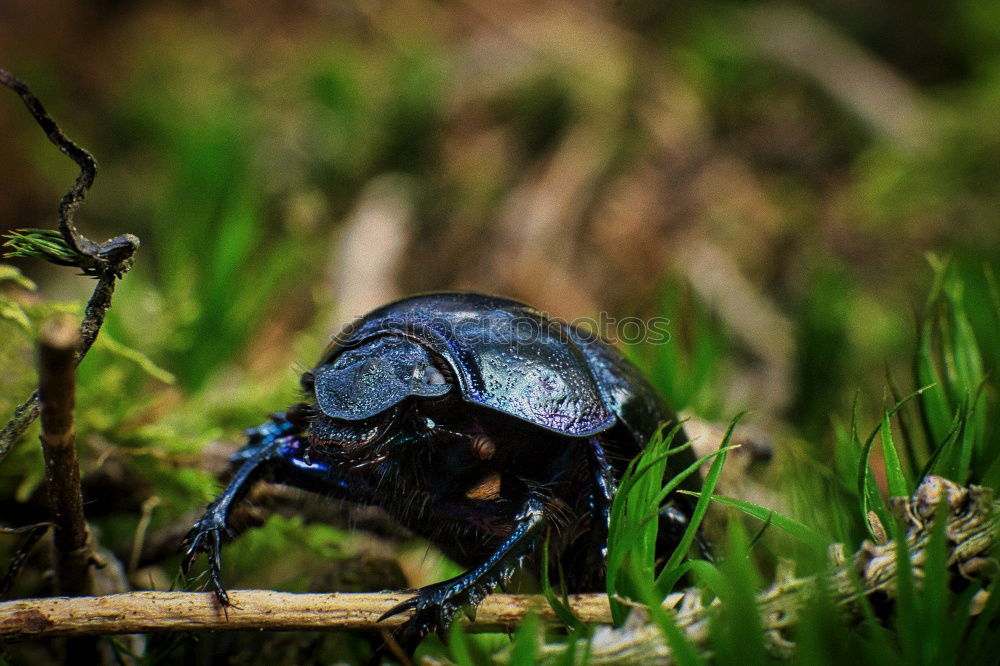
[{"x": 362, "y": 381}]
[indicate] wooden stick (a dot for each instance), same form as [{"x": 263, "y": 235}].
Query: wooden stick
[
  {"x": 57, "y": 388},
  {"x": 136, "y": 612}
]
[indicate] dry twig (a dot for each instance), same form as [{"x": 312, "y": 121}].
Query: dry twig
[
  {"x": 133, "y": 612},
  {"x": 107, "y": 261},
  {"x": 34, "y": 534}
]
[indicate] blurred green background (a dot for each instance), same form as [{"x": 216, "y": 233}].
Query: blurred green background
[{"x": 770, "y": 177}]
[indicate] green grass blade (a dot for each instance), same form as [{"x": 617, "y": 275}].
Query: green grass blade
[
  {"x": 940, "y": 459},
  {"x": 969, "y": 376},
  {"x": 680, "y": 447},
  {"x": 994, "y": 290},
  {"x": 991, "y": 477},
  {"x": 568, "y": 656},
  {"x": 525, "y": 647},
  {"x": 820, "y": 633},
  {"x": 940, "y": 268},
  {"x": 759, "y": 534},
  {"x": 973, "y": 443},
  {"x": 800, "y": 531},
  {"x": 871, "y": 499},
  {"x": 935, "y": 593},
  {"x": 916, "y": 450},
  {"x": 666, "y": 581},
  {"x": 654, "y": 455},
  {"x": 950, "y": 355},
  {"x": 634, "y": 529},
  {"x": 708, "y": 487},
  {"x": 632, "y": 538},
  {"x": 708, "y": 575},
  {"x": 899, "y": 485},
  {"x": 559, "y": 606},
  {"x": 934, "y": 406},
  {"x": 688, "y": 471},
  {"x": 907, "y": 619},
  {"x": 736, "y": 631},
  {"x": 458, "y": 645}
]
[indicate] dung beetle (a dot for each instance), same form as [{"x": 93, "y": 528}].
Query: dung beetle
[{"x": 477, "y": 422}]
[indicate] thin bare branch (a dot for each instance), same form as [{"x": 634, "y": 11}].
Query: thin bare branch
[
  {"x": 24, "y": 415},
  {"x": 34, "y": 534},
  {"x": 88, "y": 166},
  {"x": 107, "y": 261}
]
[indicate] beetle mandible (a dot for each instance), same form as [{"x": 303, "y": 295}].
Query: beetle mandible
[{"x": 478, "y": 423}]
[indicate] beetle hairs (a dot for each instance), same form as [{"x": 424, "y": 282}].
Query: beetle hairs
[
  {"x": 557, "y": 510},
  {"x": 307, "y": 383}
]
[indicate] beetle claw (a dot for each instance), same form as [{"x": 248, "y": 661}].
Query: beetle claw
[
  {"x": 433, "y": 608},
  {"x": 206, "y": 537},
  {"x": 401, "y": 607}
]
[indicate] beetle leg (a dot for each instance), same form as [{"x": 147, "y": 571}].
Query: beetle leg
[
  {"x": 275, "y": 449},
  {"x": 264, "y": 436},
  {"x": 434, "y": 606},
  {"x": 601, "y": 495},
  {"x": 265, "y": 442}
]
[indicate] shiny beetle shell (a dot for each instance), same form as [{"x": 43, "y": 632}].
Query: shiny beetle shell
[{"x": 502, "y": 354}]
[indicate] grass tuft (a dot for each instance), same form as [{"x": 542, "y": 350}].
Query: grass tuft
[{"x": 47, "y": 244}]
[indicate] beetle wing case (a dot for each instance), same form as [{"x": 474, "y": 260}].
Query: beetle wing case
[{"x": 505, "y": 355}]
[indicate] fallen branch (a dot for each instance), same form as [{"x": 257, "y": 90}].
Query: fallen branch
[
  {"x": 135, "y": 612},
  {"x": 971, "y": 531}
]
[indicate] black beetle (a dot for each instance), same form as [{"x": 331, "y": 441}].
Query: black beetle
[{"x": 477, "y": 422}]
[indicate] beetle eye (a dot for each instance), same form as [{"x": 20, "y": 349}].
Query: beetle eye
[{"x": 433, "y": 376}]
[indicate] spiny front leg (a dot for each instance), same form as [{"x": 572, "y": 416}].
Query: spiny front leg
[
  {"x": 265, "y": 444},
  {"x": 434, "y": 606}
]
